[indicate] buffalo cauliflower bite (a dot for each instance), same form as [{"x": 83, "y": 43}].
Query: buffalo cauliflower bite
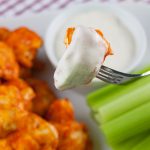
[
  {"x": 25, "y": 44},
  {"x": 4, "y": 33},
  {"x": 27, "y": 93},
  {"x": 16, "y": 93},
  {"x": 44, "y": 96},
  {"x": 72, "y": 135},
  {"x": 10, "y": 120},
  {"x": 9, "y": 68},
  {"x": 66, "y": 112},
  {"x": 24, "y": 130},
  {"x": 10, "y": 97},
  {"x": 40, "y": 130},
  {"x": 21, "y": 140},
  {"x": 4, "y": 145}
]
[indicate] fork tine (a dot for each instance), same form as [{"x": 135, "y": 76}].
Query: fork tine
[
  {"x": 105, "y": 75},
  {"x": 110, "y": 74},
  {"x": 113, "y": 76},
  {"x": 108, "y": 79},
  {"x": 104, "y": 79},
  {"x": 112, "y": 71},
  {"x": 115, "y": 72}
]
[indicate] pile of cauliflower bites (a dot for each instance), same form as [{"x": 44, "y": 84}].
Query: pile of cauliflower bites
[{"x": 31, "y": 117}]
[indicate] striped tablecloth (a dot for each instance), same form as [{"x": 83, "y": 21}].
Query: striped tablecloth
[{"x": 24, "y": 7}]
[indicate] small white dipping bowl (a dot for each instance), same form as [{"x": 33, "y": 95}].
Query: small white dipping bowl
[{"x": 127, "y": 19}]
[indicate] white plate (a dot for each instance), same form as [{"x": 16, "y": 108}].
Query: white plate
[{"x": 39, "y": 24}]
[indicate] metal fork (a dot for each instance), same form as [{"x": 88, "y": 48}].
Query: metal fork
[{"x": 115, "y": 77}]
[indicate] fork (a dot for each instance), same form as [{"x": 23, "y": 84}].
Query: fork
[{"x": 115, "y": 77}]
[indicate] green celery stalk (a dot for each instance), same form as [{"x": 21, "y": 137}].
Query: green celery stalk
[
  {"x": 128, "y": 125},
  {"x": 118, "y": 91},
  {"x": 125, "y": 103},
  {"x": 111, "y": 92},
  {"x": 97, "y": 118},
  {"x": 143, "y": 145},
  {"x": 98, "y": 98},
  {"x": 131, "y": 142}
]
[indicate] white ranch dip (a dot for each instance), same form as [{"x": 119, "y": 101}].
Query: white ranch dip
[{"x": 115, "y": 32}]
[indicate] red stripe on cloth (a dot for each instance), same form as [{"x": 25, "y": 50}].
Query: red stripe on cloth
[
  {"x": 3, "y": 2},
  {"x": 65, "y": 3},
  {"x": 104, "y": 0},
  {"x": 10, "y": 7},
  {"x": 138, "y": 0},
  {"x": 27, "y": 7},
  {"x": 121, "y": 0},
  {"x": 46, "y": 6},
  {"x": 84, "y": 1}
]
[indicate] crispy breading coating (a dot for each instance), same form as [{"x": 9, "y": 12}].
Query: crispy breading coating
[
  {"x": 25, "y": 90},
  {"x": 44, "y": 96},
  {"x": 10, "y": 97},
  {"x": 24, "y": 130},
  {"x": 4, "y": 33},
  {"x": 43, "y": 132},
  {"x": 25, "y": 44},
  {"x": 16, "y": 93},
  {"x": 9, "y": 68},
  {"x": 72, "y": 135},
  {"x": 4, "y": 145},
  {"x": 21, "y": 140},
  {"x": 10, "y": 120},
  {"x": 66, "y": 112}
]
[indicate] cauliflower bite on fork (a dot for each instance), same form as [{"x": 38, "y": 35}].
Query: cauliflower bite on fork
[
  {"x": 9, "y": 68},
  {"x": 86, "y": 50},
  {"x": 25, "y": 44}
]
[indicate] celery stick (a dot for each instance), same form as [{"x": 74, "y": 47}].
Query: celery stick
[
  {"x": 128, "y": 125},
  {"x": 106, "y": 94},
  {"x": 131, "y": 142},
  {"x": 97, "y": 117},
  {"x": 125, "y": 103},
  {"x": 119, "y": 90},
  {"x": 143, "y": 145},
  {"x": 100, "y": 95}
]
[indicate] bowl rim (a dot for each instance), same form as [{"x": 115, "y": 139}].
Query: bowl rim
[{"x": 51, "y": 31}]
